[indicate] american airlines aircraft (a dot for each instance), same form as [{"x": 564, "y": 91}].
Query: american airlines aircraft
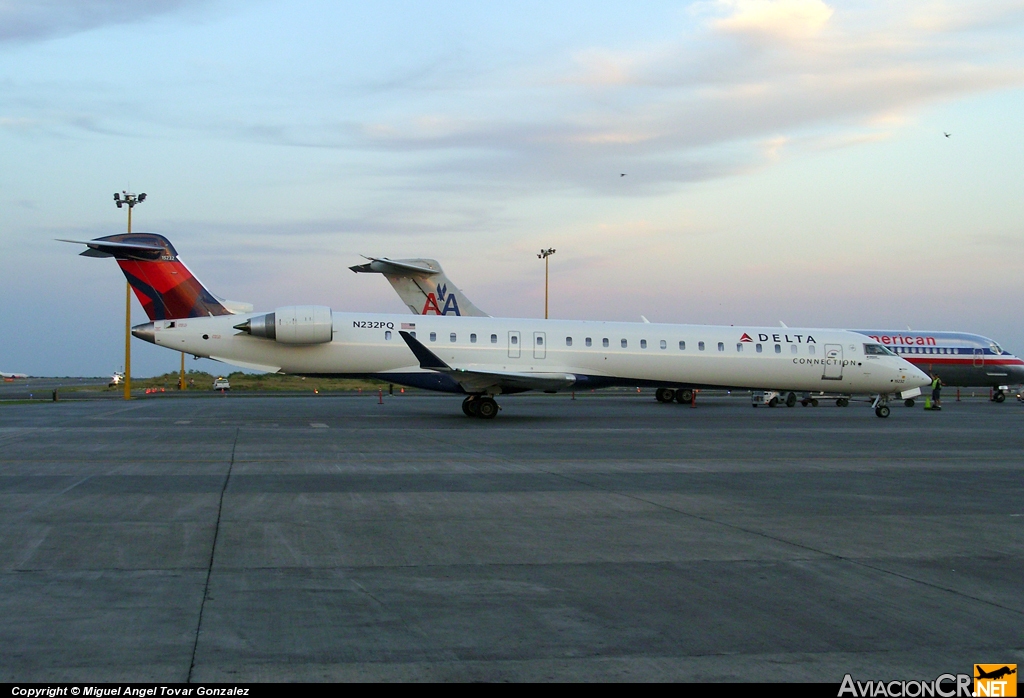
[
  {"x": 11, "y": 376},
  {"x": 482, "y": 357},
  {"x": 959, "y": 359}
]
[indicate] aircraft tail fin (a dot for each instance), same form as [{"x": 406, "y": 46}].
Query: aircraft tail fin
[
  {"x": 161, "y": 281},
  {"x": 422, "y": 285}
]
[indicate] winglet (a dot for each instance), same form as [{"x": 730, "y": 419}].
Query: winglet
[{"x": 428, "y": 359}]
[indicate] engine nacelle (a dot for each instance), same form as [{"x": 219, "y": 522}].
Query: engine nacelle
[{"x": 293, "y": 324}]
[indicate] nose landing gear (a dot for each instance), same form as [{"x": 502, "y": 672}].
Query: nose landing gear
[{"x": 881, "y": 405}]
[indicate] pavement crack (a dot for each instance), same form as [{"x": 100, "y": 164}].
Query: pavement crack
[{"x": 213, "y": 551}]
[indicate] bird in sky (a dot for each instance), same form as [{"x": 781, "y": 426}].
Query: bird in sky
[{"x": 947, "y": 135}]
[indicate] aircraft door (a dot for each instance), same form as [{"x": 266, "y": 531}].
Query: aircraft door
[
  {"x": 979, "y": 358},
  {"x": 540, "y": 349},
  {"x": 833, "y": 362},
  {"x": 513, "y": 345}
]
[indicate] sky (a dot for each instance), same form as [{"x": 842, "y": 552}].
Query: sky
[{"x": 785, "y": 160}]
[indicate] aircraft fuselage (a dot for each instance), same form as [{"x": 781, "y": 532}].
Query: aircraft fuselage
[{"x": 596, "y": 354}]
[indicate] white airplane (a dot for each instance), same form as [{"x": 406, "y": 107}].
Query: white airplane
[
  {"x": 959, "y": 359},
  {"x": 482, "y": 357},
  {"x": 11, "y": 376}
]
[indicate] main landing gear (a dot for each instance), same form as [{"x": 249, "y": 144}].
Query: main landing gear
[
  {"x": 998, "y": 396},
  {"x": 684, "y": 396},
  {"x": 482, "y": 406}
]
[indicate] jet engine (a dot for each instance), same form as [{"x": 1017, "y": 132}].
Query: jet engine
[{"x": 293, "y": 324}]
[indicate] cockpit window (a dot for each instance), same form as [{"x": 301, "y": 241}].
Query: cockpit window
[
  {"x": 876, "y": 350},
  {"x": 996, "y": 349}
]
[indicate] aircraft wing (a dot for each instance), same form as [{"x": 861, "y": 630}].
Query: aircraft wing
[{"x": 478, "y": 380}]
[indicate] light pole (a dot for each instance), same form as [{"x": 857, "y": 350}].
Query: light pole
[
  {"x": 129, "y": 200},
  {"x": 544, "y": 254}
]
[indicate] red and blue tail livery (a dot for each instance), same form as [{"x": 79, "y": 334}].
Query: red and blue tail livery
[{"x": 163, "y": 284}]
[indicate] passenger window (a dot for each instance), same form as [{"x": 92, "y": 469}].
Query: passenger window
[
  {"x": 568, "y": 341},
  {"x": 721, "y": 346},
  {"x": 792, "y": 348},
  {"x": 739, "y": 347},
  {"x": 643, "y": 343},
  {"x": 758, "y": 348},
  {"x": 604, "y": 342},
  {"x": 587, "y": 341},
  {"x": 433, "y": 336},
  {"x": 494, "y": 339},
  {"x": 387, "y": 335},
  {"x": 515, "y": 339},
  {"x": 700, "y": 346},
  {"x": 664, "y": 344},
  {"x": 472, "y": 338},
  {"x": 682, "y": 346},
  {"x": 810, "y": 349},
  {"x": 540, "y": 340},
  {"x": 451, "y": 337},
  {"x": 623, "y": 343},
  {"x": 778, "y": 348}
]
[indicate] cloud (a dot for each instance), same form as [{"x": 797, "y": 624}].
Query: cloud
[
  {"x": 786, "y": 19},
  {"x": 33, "y": 20}
]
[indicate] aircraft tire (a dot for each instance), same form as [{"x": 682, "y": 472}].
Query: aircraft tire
[
  {"x": 773, "y": 402},
  {"x": 487, "y": 408},
  {"x": 664, "y": 395},
  {"x": 909, "y": 402},
  {"x": 684, "y": 396},
  {"x": 882, "y": 411},
  {"x": 791, "y": 400},
  {"x": 471, "y": 406},
  {"x": 999, "y": 396}
]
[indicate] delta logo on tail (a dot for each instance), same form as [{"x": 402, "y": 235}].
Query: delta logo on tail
[{"x": 443, "y": 303}]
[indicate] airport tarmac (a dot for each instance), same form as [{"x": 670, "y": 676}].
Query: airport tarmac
[{"x": 607, "y": 538}]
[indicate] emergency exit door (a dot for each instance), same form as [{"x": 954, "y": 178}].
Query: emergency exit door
[
  {"x": 540, "y": 341},
  {"x": 514, "y": 348}
]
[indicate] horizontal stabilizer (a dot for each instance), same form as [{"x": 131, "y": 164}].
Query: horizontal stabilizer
[
  {"x": 383, "y": 265},
  {"x": 479, "y": 380},
  {"x": 119, "y": 250}
]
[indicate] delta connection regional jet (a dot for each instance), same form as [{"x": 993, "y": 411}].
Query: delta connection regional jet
[
  {"x": 959, "y": 359},
  {"x": 482, "y": 357}
]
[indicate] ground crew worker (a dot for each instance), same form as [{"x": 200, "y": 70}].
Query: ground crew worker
[{"x": 936, "y": 392}]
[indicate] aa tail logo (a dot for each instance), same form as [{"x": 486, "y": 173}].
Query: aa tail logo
[{"x": 448, "y": 304}]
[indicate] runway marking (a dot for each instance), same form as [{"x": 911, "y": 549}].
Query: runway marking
[
  {"x": 318, "y": 425},
  {"x": 184, "y": 421}
]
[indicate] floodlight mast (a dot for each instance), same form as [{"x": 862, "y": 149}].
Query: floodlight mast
[
  {"x": 130, "y": 200},
  {"x": 544, "y": 254}
]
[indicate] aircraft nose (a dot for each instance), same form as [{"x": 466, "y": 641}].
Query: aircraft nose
[
  {"x": 915, "y": 376},
  {"x": 146, "y": 332}
]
